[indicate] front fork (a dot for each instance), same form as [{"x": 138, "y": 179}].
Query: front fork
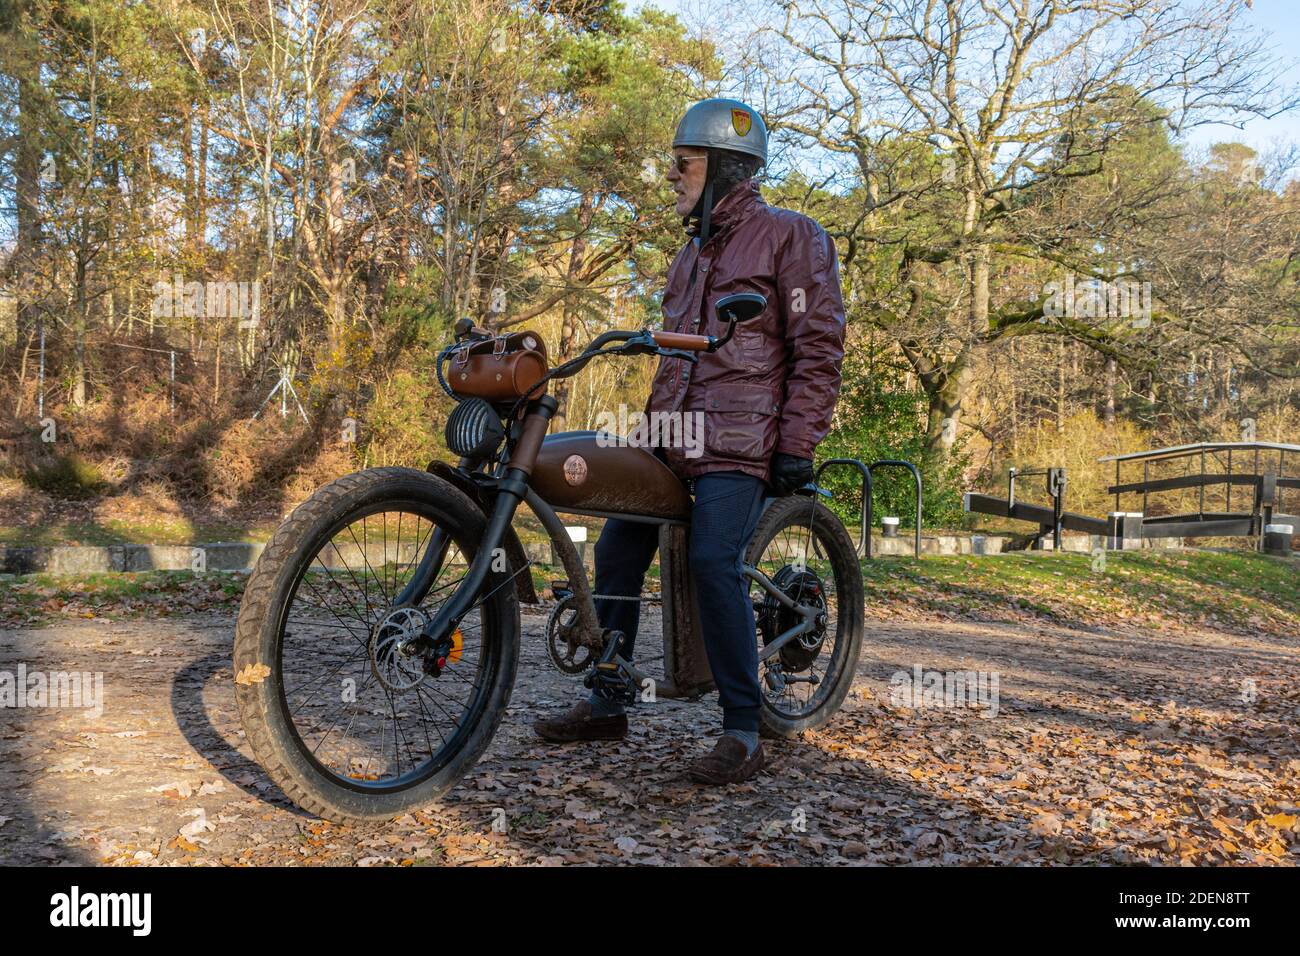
[{"x": 435, "y": 639}]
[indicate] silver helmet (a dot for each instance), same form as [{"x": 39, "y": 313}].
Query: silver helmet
[{"x": 723, "y": 124}]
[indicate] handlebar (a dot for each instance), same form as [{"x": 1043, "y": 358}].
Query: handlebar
[
  {"x": 650, "y": 340},
  {"x": 732, "y": 309},
  {"x": 684, "y": 341}
]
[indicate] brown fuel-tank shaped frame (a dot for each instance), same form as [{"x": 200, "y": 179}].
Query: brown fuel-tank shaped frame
[
  {"x": 610, "y": 479},
  {"x": 623, "y": 481}
]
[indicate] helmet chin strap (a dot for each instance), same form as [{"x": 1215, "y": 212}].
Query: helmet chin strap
[{"x": 705, "y": 205}]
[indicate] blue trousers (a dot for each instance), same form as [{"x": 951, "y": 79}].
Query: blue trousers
[{"x": 723, "y": 517}]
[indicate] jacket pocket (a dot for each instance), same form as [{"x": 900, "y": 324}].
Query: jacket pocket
[
  {"x": 740, "y": 422},
  {"x": 754, "y": 350}
]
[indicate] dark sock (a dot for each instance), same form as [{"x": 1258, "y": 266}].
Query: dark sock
[{"x": 747, "y": 737}]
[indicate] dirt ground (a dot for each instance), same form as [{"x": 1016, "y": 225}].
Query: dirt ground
[{"x": 1106, "y": 746}]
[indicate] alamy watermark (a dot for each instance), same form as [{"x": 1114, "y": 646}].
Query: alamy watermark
[
  {"x": 82, "y": 690},
  {"x": 1090, "y": 298},
  {"x": 920, "y": 688},
  {"x": 622, "y": 428},
  {"x": 214, "y": 299},
  {"x": 133, "y": 911}
]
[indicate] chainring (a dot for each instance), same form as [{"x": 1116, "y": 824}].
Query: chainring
[
  {"x": 566, "y": 654},
  {"x": 805, "y": 589}
]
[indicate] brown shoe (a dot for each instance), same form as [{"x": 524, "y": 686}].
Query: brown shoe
[
  {"x": 578, "y": 724},
  {"x": 727, "y": 763}
]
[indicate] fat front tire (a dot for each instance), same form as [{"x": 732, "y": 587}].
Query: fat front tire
[{"x": 309, "y": 619}]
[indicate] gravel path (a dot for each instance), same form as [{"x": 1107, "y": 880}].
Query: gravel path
[{"x": 1104, "y": 747}]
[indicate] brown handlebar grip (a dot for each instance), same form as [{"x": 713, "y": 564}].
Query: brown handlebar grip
[{"x": 681, "y": 340}]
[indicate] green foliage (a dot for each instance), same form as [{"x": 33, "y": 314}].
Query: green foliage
[
  {"x": 67, "y": 476},
  {"x": 877, "y": 419},
  {"x": 403, "y": 423},
  {"x": 412, "y": 313}
]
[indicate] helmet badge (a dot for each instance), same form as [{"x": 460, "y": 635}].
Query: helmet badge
[{"x": 741, "y": 121}]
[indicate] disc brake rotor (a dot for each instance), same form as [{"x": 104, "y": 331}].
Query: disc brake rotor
[
  {"x": 805, "y": 589},
  {"x": 393, "y": 660}
]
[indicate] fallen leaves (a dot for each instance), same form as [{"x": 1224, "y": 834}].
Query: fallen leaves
[
  {"x": 36, "y": 600},
  {"x": 1110, "y": 746},
  {"x": 1046, "y": 825},
  {"x": 252, "y": 674}
]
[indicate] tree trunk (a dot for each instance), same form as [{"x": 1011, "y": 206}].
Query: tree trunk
[
  {"x": 79, "y": 325},
  {"x": 946, "y": 393},
  {"x": 1108, "y": 412},
  {"x": 27, "y": 190},
  {"x": 409, "y": 184},
  {"x": 1060, "y": 386},
  {"x": 569, "y": 325},
  {"x": 1013, "y": 395}
]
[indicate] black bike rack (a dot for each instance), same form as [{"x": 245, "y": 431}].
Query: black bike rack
[{"x": 864, "y": 534}]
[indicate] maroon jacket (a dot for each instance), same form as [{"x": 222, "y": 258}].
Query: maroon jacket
[{"x": 773, "y": 386}]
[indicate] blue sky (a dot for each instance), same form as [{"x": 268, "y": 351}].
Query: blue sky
[
  {"x": 1280, "y": 20},
  {"x": 1277, "y": 20}
]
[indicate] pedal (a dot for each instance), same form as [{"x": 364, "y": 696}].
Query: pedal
[
  {"x": 560, "y": 590},
  {"x": 611, "y": 683},
  {"x": 608, "y": 680}
]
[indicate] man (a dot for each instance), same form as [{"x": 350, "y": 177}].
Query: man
[{"x": 766, "y": 400}]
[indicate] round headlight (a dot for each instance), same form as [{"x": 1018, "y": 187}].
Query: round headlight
[{"x": 474, "y": 429}]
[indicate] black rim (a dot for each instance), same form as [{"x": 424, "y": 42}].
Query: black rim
[{"x": 343, "y": 700}]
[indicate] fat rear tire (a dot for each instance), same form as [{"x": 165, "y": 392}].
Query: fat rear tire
[{"x": 796, "y": 511}]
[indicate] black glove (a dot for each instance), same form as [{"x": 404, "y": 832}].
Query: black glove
[{"x": 789, "y": 472}]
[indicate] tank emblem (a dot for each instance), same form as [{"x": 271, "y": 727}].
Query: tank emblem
[{"x": 575, "y": 469}]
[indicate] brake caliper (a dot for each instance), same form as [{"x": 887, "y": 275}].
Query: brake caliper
[{"x": 445, "y": 650}]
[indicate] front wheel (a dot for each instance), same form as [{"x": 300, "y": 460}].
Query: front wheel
[
  {"x": 338, "y": 701},
  {"x": 805, "y": 552}
]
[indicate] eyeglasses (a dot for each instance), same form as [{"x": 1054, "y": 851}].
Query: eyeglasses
[{"x": 681, "y": 161}]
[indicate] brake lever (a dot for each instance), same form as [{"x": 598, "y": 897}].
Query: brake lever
[
  {"x": 642, "y": 344},
  {"x": 692, "y": 357}
]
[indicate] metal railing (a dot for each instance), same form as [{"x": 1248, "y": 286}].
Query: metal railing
[{"x": 863, "y": 547}]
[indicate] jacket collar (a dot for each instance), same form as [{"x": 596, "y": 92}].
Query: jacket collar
[{"x": 732, "y": 209}]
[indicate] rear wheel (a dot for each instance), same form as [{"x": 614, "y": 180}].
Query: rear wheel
[
  {"x": 342, "y": 707},
  {"x": 805, "y": 551}
]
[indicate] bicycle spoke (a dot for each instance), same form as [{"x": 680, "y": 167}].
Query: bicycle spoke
[
  {"x": 798, "y": 554},
  {"x": 393, "y": 722}
]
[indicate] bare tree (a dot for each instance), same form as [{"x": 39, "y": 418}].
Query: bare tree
[{"x": 1001, "y": 98}]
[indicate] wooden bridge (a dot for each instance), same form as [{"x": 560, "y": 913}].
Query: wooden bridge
[{"x": 1257, "y": 471}]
